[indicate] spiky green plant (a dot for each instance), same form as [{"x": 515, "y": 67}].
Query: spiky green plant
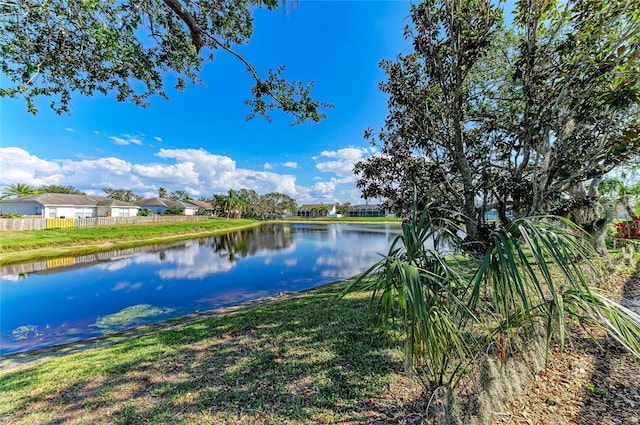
[
  {"x": 416, "y": 284},
  {"x": 533, "y": 271}
]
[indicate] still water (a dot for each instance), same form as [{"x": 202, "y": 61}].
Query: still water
[{"x": 48, "y": 303}]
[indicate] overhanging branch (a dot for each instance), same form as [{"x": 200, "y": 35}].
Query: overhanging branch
[{"x": 187, "y": 18}]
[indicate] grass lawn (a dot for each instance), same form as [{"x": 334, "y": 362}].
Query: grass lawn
[{"x": 308, "y": 359}]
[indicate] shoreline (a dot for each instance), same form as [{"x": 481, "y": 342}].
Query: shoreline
[{"x": 15, "y": 361}]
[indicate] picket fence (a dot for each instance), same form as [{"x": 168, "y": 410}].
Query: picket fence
[{"x": 38, "y": 223}]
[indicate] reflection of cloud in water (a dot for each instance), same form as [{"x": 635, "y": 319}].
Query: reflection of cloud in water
[
  {"x": 127, "y": 286},
  {"x": 121, "y": 263},
  {"x": 11, "y": 278},
  {"x": 194, "y": 263},
  {"x": 345, "y": 265},
  {"x": 268, "y": 252},
  {"x": 291, "y": 262}
]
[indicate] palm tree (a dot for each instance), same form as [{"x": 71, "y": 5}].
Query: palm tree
[
  {"x": 324, "y": 209},
  {"x": 219, "y": 201},
  {"x": 530, "y": 274},
  {"x": 18, "y": 190}
]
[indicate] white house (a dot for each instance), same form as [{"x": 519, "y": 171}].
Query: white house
[
  {"x": 160, "y": 205},
  {"x": 367, "y": 210},
  {"x": 61, "y": 205},
  {"x": 316, "y": 210}
]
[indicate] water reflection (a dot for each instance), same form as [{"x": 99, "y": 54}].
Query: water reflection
[{"x": 60, "y": 301}]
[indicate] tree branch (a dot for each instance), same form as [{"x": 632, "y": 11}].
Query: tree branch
[{"x": 187, "y": 18}]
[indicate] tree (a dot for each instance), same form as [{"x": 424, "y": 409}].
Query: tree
[
  {"x": 59, "y": 48},
  {"x": 251, "y": 201},
  {"x": 18, "y": 190},
  {"x": 125, "y": 195},
  {"x": 275, "y": 204},
  {"x": 180, "y": 195},
  {"x": 162, "y": 192},
  {"x": 524, "y": 120},
  {"x": 324, "y": 209},
  {"x": 53, "y": 188},
  {"x": 343, "y": 208},
  {"x": 219, "y": 202}
]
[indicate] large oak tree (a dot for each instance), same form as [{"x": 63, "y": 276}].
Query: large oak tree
[{"x": 524, "y": 118}]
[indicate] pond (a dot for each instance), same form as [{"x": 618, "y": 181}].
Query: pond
[{"x": 70, "y": 299}]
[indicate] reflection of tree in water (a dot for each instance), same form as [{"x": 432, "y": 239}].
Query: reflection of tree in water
[{"x": 269, "y": 237}]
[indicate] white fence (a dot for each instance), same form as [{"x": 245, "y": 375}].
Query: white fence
[
  {"x": 26, "y": 223},
  {"x": 37, "y": 223}
]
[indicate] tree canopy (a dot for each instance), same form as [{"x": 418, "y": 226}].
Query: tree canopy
[
  {"x": 523, "y": 119},
  {"x": 125, "y": 195},
  {"x": 57, "y": 188},
  {"x": 60, "y": 48}
]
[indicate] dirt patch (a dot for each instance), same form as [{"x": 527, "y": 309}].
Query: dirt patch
[{"x": 589, "y": 383}]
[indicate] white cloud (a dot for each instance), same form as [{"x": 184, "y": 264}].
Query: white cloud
[
  {"x": 69, "y": 129},
  {"x": 158, "y": 139},
  {"x": 126, "y": 139},
  {"x": 323, "y": 190},
  {"x": 290, "y": 164},
  {"x": 343, "y": 162},
  {"x": 18, "y": 166},
  {"x": 194, "y": 170},
  {"x": 218, "y": 173},
  {"x": 184, "y": 172}
]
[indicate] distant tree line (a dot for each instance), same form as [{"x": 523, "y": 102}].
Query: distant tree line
[{"x": 242, "y": 203}]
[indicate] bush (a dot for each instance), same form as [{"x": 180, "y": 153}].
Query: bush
[{"x": 174, "y": 211}]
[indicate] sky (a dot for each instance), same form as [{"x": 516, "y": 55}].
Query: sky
[{"x": 200, "y": 140}]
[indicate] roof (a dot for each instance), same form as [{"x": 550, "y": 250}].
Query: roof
[
  {"x": 366, "y": 207},
  {"x": 166, "y": 202},
  {"x": 204, "y": 204},
  {"x": 309, "y": 207},
  {"x": 63, "y": 199}
]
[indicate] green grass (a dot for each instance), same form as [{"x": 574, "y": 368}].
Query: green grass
[
  {"x": 305, "y": 360},
  {"x": 32, "y": 245}
]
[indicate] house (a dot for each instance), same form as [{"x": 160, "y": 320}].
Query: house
[
  {"x": 160, "y": 205},
  {"x": 206, "y": 206},
  {"x": 62, "y": 205},
  {"x": 367, "y": 210},
  {"x": 316, "y": 210}
]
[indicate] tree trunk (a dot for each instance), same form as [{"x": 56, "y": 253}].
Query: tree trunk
[{"x": 591, "y": 215}]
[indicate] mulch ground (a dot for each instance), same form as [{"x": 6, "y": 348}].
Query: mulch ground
[{"x": 587, "y": 384}]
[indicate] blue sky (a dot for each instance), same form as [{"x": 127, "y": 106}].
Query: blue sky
[{"x": 201, "y": 142}]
